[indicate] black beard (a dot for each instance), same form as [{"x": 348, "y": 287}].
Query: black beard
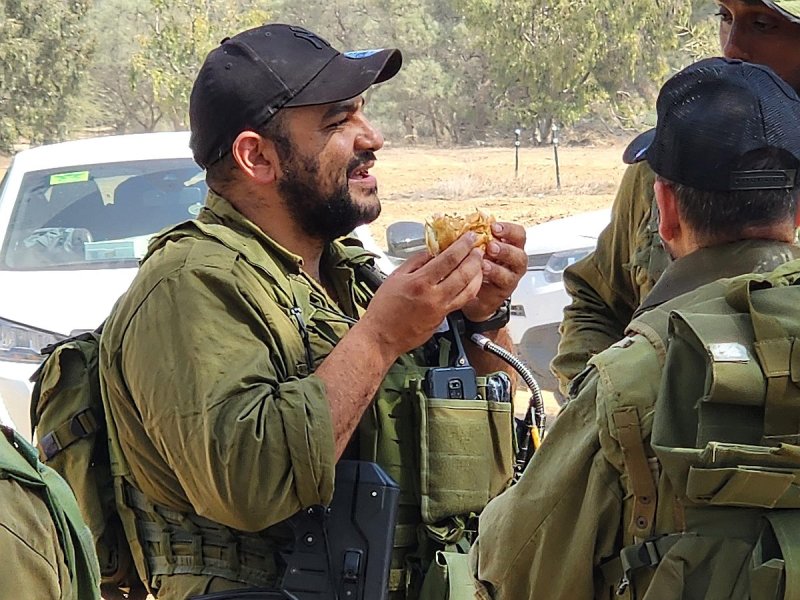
[{"x": 322, "y": 216}]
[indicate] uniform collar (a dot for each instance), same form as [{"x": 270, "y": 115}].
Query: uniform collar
[
  {"x": 709, "y": 264},
  {"x": 335, "y": 255}
]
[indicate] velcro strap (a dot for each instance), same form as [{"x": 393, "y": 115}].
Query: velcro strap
[
  {"x": 639, "y": 471},
  {"x": 646, "y": 554},
  {"x": 80, "y": 426}
]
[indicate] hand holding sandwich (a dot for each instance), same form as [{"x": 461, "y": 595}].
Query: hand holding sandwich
[{"x": 504, "y": 258}]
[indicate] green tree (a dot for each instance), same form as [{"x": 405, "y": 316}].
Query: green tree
[
  {"x": 551, "y": 59},
  {"x": 179, "y": 35},
  {"x": 441, "y": 92},
  {"x": 44, "y": 50},
  {"x": 699, "y": 33},
  {"x": 111, "y": 101}
]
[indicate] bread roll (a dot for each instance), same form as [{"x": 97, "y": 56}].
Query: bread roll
[{"x": 442, "y": 230}]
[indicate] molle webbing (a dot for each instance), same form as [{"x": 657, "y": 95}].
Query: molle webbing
[{"x": 175, "y": 543}]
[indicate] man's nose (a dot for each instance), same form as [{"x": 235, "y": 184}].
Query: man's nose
[
  {"x": 369, "y": 138},
  {"x": 736, "y": 44}
]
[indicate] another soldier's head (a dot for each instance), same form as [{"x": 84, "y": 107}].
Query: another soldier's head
[
  {"x": 766, "y": 32},
  {"x": 277, "y": 118},
  {"x": 726, "y": 152}
]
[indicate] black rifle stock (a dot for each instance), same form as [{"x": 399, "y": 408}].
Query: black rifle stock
[{"x": 342, "y": 552}]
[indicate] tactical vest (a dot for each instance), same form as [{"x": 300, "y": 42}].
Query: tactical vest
[
  {"x": 709, "y": 456},
  {"x": 449, "y": 457},
  {"x": 19, "y": 462}
]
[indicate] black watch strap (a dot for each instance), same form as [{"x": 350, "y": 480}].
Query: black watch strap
[{"x": 497, "y": 321}]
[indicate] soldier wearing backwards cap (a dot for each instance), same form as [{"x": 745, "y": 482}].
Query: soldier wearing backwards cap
[
  {"x": 609, "y": 284},
  {"x": 658, "y": 478},
  {"x": 251, "y": 352}
]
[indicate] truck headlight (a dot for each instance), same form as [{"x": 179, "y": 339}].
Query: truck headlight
[{"x": 22, "y": 343}]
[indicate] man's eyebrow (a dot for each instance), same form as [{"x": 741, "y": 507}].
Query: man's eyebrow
[{"x": 345, "y": 106}]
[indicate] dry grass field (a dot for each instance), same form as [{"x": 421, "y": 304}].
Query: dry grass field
[{"x": 416, "y": 182}]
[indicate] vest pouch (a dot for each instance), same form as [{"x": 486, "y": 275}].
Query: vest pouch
[
  {"x": 466, "y": 453},
  {"x": 738, "y": 475},
  {"x": 448, "y": 578},
  {"x": 775, "y": 563}
]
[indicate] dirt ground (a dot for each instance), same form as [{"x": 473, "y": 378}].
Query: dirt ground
[{"x": 415, "y": 183}]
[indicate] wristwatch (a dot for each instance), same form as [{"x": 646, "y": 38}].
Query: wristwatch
[{"x": 498, "y": 320}]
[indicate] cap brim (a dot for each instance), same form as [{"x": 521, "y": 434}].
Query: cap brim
[
  {"x": 637, "y": 149},
  {"x": 348, "y": 75},
  {"x": 788, "y": 8}
]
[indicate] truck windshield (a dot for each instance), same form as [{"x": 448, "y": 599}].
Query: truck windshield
[{"x": 98, "y": 216}]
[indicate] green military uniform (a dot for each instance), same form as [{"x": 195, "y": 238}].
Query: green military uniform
[
  {"x": 607, "y": 286},
  {"x": 46, "y": 550},
  {"x": 577, "y": 494},
  {"x": 210, "y": 393}
]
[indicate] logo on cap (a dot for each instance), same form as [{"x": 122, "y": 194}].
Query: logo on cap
[
  {"x": 310, "y": 37},
  {"x": 362, "y": 53}
]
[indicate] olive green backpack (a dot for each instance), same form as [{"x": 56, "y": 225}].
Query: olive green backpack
[
  {"x": 68, "y": 419},
  {"x": 713, "y": 504}
]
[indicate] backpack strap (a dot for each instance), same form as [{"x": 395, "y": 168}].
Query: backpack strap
[
  {"x": 646, "y": 554},
  {"x": 629, "y": 435},
  {"x": 82, "y": 424}
]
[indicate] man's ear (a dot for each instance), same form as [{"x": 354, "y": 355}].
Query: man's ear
[
  {"x": 256, "y": 157},
  {"x": 669, "y": 225},
  {"x": 797, "y": 213}
]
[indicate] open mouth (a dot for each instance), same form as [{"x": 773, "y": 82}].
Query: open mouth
[{"x": 360, "y": 172}]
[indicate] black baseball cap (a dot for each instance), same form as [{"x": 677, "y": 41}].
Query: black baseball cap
[
  {"x": 712, "y": 114},
  {"x": 252, "y": 75}
]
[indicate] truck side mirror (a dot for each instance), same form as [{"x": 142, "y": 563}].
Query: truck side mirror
[{"x": 405, "y": 238}]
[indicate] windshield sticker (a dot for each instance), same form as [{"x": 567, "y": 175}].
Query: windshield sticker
[{"x": 74, "y": 177}]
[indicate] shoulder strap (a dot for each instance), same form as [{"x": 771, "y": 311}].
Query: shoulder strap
[
  {"x": 83, "y": 423},
  {"x": 631, "y": 441}
]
